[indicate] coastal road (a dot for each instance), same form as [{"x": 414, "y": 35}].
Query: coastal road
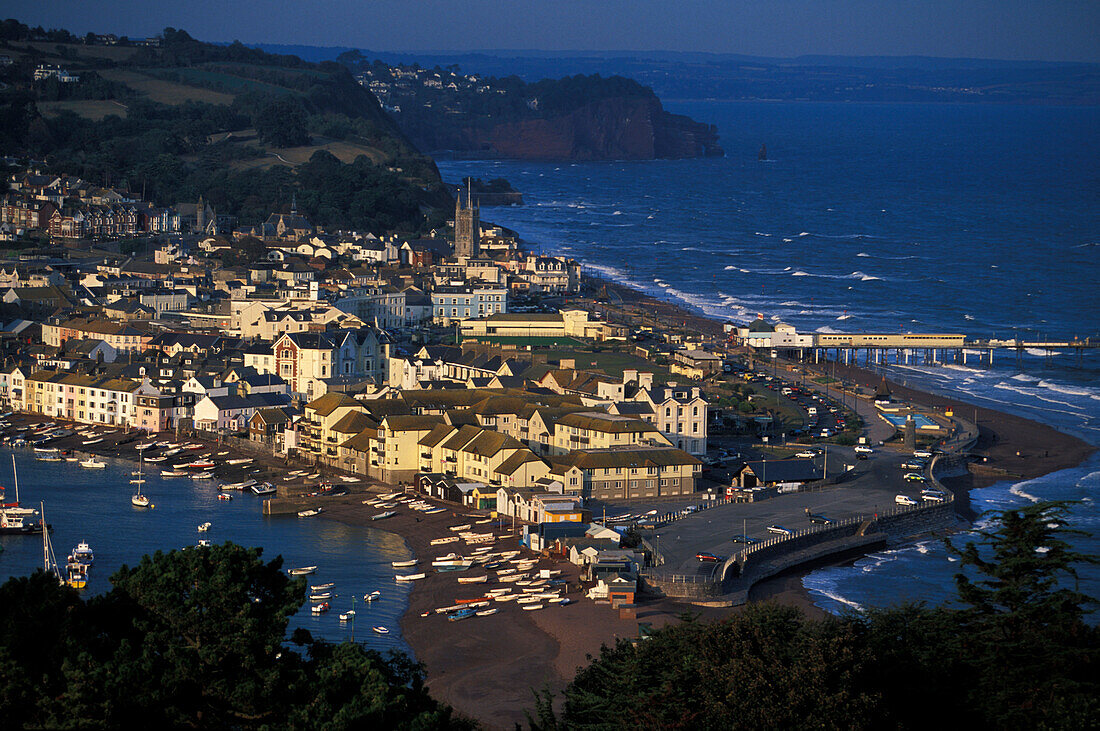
[{"x": 871, "y": 488}]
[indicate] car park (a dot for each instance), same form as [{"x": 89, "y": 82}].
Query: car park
[{"x": 904, "y": 500}]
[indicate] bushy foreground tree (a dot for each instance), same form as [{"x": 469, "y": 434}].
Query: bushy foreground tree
[
  {"x": 193, "y": 638},
  {"x": 1016, "y": 652}
]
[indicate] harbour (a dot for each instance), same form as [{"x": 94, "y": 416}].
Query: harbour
[{"x": 94, "y": 506}]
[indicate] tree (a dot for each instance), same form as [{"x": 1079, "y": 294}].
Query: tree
[
  {"x": 1035, "y": 655},
  {"x": 195, "y": 637}
]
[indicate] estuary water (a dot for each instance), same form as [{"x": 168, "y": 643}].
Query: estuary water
[
  {"x": 975, "y": 219},
  {"x": 94, "y": 506}
]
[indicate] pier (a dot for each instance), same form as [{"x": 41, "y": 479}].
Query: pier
[{"x": 933, "y": 349}]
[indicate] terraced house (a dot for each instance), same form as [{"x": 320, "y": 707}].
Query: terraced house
[
  {"x": 600, "y": 430},
  {"x": 79, "y": 397},
  {"x": 628, "y": 472}
]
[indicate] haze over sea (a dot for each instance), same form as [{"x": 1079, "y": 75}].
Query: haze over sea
[{"x": 979, "y": 219}]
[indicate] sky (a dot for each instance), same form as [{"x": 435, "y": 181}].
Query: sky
[{"x": 1044, "y": 30}]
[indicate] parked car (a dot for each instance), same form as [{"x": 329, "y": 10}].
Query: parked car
[
  {"x": 904, "y": 500},
  {"x": 820, "y": 519},
  {"x": 807, "y": 454},
  {"x": 780, "y": 530},
  {"x": 742, "y": 538},
  {"x": 922, "y": 454},
  {"x": 914, "y": 477},
  {"x": 707, "y": 557},
  {"x": 863, "y": 449},
  {"x": 914, "y": 464}
]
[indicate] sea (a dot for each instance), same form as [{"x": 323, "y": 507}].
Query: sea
[
  {"x": 979, "y": 219},
  {"x": 94, "y": 506}
]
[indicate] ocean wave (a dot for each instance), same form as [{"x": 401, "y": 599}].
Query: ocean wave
[
  {"x": 863, "y": 253},
  {"x": 801, "y": 273},
  {"x": 1026, "y": 378},
  {"x": 844, "y": 317},
  {"x": 758, "y": 233},
  {"x": 1041, "y": 352},
  {"x": 863, "y": 277},
  {"x": 787, "y": 241},
  {"x": 804, "y": 233},
  {"x": 826, "y": 329},
  {"x": 1067, "y": 390}
]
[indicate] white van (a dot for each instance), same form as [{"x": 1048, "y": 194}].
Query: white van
[{"x": 904, "y": 500}]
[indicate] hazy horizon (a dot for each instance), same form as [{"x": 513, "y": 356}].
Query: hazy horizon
[{"x": 1008, "y": 30}]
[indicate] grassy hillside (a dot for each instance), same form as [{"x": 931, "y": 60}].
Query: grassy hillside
[{"x": 246, "y": 129}]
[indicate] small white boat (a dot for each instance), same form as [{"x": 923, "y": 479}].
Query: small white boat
[
  {"x": 314, "y": 476},
  {"x": 203, "y": 476},
  {"x": 372, "y": 596},
  {"x": 204, "y": 543},
  {"x": 239, "y": 485},
  {"x": 302, "y": 571},
  {"x": 321, "y": 596},
  {"x": 381, "y": 630},
  {"x": 93, "y": 464},
  {"x": 173, "y": 473},
  {"x": 309, "y": 513},
  {"x": 404, "y": 564},
  {"x": 531, "y": 607},
  {"x": 473, "y": 579},
  {"x": 487, "y": 612},
  {"x": 459, "y": 527},
  {"x": 319, "y": 608},
  {"x": 140, "y": 501},
  {"x": 224, "y": 496},
  {"x": 383, "y": 516},
  {"x": 321, "y": 587},
  {"x": 90, "y": 442},
  {"x": 443, "y": 541},
  {"x": 237, "y": 461},
  {"x": 347, "y": 616},
  {"x": 203, "y": 527},
  {"x": 409, "y": 577}
]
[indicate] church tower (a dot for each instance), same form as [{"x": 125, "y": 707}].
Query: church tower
[
  {"x": 200, "y": 216},
  {"x": 467, "y": 226}
]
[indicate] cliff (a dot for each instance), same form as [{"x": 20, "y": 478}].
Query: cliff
[
  {"x": 445, "y": 111},
  {"x": 607, "y": 129}
]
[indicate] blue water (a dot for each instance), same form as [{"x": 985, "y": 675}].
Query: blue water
[
  {"x": 977, "y": 219},
  {"x": 95, "y": 506}
]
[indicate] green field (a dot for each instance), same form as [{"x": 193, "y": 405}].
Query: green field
[
  {"x": 94, "y": 109},
  {"x": 165, "y": 92}
]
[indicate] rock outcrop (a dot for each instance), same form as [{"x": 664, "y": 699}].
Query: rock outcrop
[{"x": 616, "y": 128}]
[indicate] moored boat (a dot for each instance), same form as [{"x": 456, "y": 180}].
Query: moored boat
[
  {"x": 403, "y": 564},
  {"x": 409, "y": 577},
  {"x": 319, "y": 608},
  {"x": 224, "y": 496},
  {"x": 310, "y": 513},
  {"x": 92, "y": 464},
  {"x": 203, "y": 527},
  {"x": 383, "y": 516},
  {"x": 302, "y": 571},
  {"x": 381, "y": 630}
]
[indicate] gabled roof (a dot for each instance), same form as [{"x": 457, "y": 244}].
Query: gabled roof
[
  {"x": 608, "y": 423},
  {"x": 331, "y": 401},
  {"x": 354, "y": 422},
  {"x": 518, "y": 458},
  {"x": 402, "y": 422}
]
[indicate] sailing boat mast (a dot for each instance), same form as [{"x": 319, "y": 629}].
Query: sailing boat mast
[
  {"x": 15, "y": 474},
  {"x": 49, "y": 561}
]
